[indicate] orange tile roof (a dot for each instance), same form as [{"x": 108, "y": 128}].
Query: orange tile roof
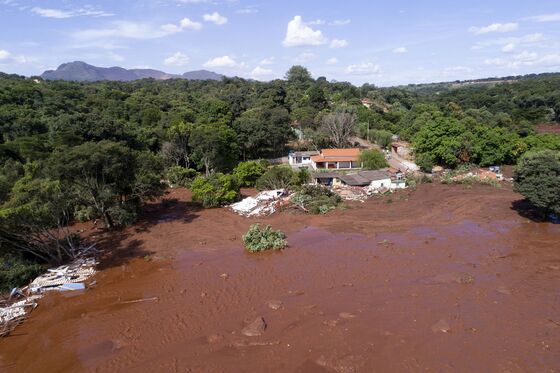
[
  {"x": 318, "y": 158},
  {"x": 353, "y": 152}
]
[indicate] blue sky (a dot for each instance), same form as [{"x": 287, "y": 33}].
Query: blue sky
[{"x": 379, "y": 42}]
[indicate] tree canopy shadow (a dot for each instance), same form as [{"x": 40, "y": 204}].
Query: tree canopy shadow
[
  {"x": 166, "y": 211},
  {"x": 115, "y": 252},
  {"x": 529, "y": 211}
]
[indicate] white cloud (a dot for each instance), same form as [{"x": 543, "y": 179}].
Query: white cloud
[
  {"x": 365, "y": 68},
  {"x": 525, "y": 59},
  {"x": 176, "y": 59},
  {"x": 300, "y": 34},
  {"x": 332, "y": 61},
  {"x": 186, "y": 23},
  {"x": 337, "y": 22},
  {"x": 553, "y": 17},
  {"x": 317, "y": 22},
  {"x": 400, "y": 50},
  {"x": 61, "y": 14},
  {"x": 305, "y": 57},
  {"x": 261, "y": 73},
  {"x": 454, "y": 70},
  {"x": 338, "y": 43},
  {"x": 340, "y": 22},
  {"x": 527, "y": 40},
  {"x": 509, "y": 47},
  {"x": 215, "y": 17},
  {"x": 267, "y": 61},
  {"x": 223, "y": 61},
  {"x": 6, "y": 58},
  {"x": 247, "y": 10},
  {"x": 133, "y": 30},
  {"x": 495, "y": 27}
]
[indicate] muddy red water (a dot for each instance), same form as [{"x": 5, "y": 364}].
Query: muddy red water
[{"x": 440, "y": 279}]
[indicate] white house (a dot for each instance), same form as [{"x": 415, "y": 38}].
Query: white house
[{"x": 298, "y": 159}]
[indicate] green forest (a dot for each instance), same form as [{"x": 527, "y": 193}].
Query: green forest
[{"x": 97, "y": 151}]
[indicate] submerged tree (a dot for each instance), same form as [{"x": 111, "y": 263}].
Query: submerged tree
[{"x": 537, "y": 177}]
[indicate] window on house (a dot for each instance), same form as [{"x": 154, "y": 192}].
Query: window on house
[{"x": 345, "y": 164}]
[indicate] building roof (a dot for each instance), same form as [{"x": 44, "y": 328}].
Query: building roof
[
  {"x": 351, "y": 152},
  {"x": 305, "y": 153},
  {"x": 337, "y": 155}
]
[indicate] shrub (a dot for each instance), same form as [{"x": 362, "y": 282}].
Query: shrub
[
  {"x": 412, "y": 180},
  {"x": 277, "y": 177},
  {"x": 537, "y": 177},
  {"x": 215, "y": 190},
  {"x": 247, "y": 173},
  {"x": 257, "y": 239},
  {"x": 181, "y": 176},
  {"x": 15, "y": 272},
  {"x": 425, "y": 162},
  {"x": 373, "y": 159},
  {"x": 316, "y": 199}
]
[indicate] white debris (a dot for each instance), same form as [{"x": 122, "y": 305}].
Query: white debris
[
  {"x": 56, "y": 278},
  {"x": 63, "y": 278},
  {"x": 264, "y": 203}
]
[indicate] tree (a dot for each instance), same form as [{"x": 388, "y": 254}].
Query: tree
[
  {"x": 537, "y": 177},
  {"x": 382, "y": 138},
  {"x": 298, "y": 75},
  {"x": 214, "y": 147},
  {"x": 247, "y": 173},
  {"x": 108, "y": 179},
  {"x": 373, "y": 159},
  {"x": 277, "y": 177},
  {"x": 339, "y": 126},
  {"x": 215, "y": 190},
  {"x": 34, "y": 220}
]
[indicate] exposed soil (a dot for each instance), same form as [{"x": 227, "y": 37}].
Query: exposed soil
[
  {"x": 548, "y": 128},
  {"x": 440, "y": 279}
]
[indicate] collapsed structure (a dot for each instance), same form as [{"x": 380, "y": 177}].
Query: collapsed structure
[{"x": 63, "y": 278}]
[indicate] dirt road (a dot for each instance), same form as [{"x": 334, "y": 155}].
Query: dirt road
[{"x": 440, "y": 279}]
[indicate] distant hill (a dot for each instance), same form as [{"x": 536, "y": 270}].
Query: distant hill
[
  {"x": 83, "y": 72},
  {"x": 202, "y": 75},
  {"x": 434, "y": 88}
]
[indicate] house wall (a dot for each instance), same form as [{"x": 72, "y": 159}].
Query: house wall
[
  {"x": 383, "y": 183},
  {"x": 295, "y": 161},
  {"x": 398, "y": 184}
]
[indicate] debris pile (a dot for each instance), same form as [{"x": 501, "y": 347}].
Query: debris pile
[
  {"x": 67, "y": 277},
  {"x": 351, "y": 193},
  {"x": 63, "y": 278},
  {"x": 264, "y": 203}
]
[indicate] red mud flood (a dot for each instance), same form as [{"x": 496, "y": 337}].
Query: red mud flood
[{"x": 441, "y": 279}]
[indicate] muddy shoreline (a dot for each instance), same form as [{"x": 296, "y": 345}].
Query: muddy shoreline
[{"x": 442, "y": 278}]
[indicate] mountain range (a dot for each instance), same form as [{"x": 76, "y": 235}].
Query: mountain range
[{"x": 82, "y": 72}]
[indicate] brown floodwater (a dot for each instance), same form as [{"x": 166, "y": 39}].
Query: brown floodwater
[{"x": 440, "y": 279}]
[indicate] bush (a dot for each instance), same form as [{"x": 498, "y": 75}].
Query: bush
[
  {"x": 257, "y": 239},
  {"x": 382, "y": 138},
  {"x": 215, "y": 190},
  {"x": 247, "y": 173},
  {"x": 425, "y": 162},
  {"x": 373, "y": 159},
  {"x": 412, "y": 180},
  {"x": 181, "y": 176},
  {"x": 277, "y": 177},
  {"x": 316, "y": 199},
  {"x": 16, "y": 272},
  {"x": 537, "y": 177}
]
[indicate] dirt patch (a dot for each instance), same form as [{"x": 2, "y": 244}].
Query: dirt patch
[
  {"x": 442, "y": 278},
  {"x": 548, "y": 128}
]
